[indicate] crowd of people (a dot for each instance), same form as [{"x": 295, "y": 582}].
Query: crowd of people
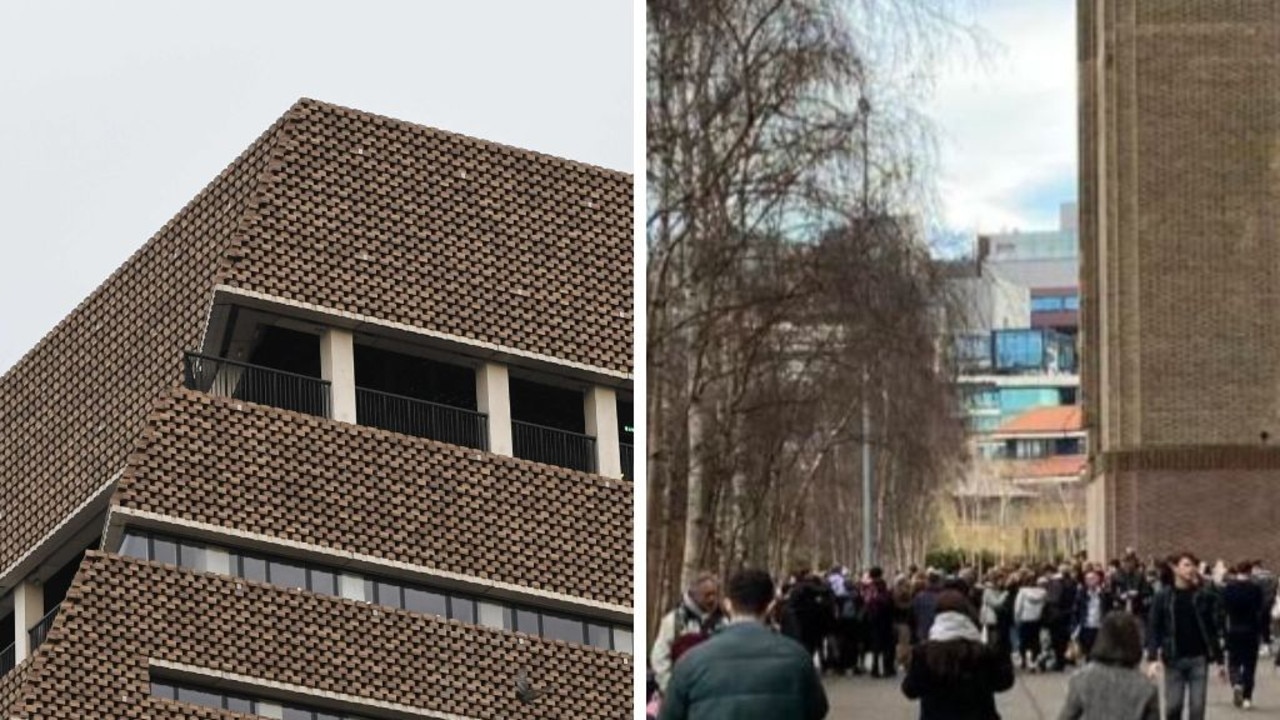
[{"x": 959, "y": 638}]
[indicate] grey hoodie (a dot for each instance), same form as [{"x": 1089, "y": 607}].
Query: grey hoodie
[{"x": 1028, "y": 606}]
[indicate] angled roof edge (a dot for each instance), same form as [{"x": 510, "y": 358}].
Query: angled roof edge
[{"x": 303, "y": 105}]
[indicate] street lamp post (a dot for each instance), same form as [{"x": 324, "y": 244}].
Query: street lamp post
[{"x": 868, "y": 514}]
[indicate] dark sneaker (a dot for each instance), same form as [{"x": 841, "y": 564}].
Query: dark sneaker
[{"x": 1237, "y": 696}]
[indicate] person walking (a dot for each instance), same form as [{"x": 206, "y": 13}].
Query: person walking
[
  {"x": 1060, "y": 603},
  {"x": 1092, "y": 603},
  {"x": 808, "y": 613},
  {"x": 1110, "y": 687},
  {"x": 1028, "y": 613},
  {"x": 993, "y": 597},
  {"x": 924, "y": 607},
  {"x": 953, "y": 674},
  {"x": 1247, "y": 618},
  {"x": 692, "y": 621},
  {"x": 878, "y": 612},
  {"x": 746, "y": 671},
  {"x": 1184, "y": 639}
]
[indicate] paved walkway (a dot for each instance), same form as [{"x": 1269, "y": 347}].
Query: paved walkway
[{"x": 1033, "y": 697}]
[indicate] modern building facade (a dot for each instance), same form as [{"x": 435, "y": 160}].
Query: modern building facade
[
  {"x": 1180, "y": 208},
  {"x": 1039, "y": 259},
  {"x": 348, "y": 438},
  {"x": 1017, "y": 355}
]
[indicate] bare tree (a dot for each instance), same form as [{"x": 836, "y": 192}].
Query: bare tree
[{"x": 789, "y": 286}]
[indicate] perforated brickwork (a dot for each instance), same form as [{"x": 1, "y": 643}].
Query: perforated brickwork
[
  {"x": 123, "y": 612},
  {"x": 363, "y": 490},
  {"x": 71, "y": 408},
  {"x": 404, "y": 223}
]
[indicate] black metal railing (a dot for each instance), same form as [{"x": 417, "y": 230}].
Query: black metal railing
[
  {"x": 8, "y": 658},
  {"x": 256, "y": 384},
  {"x": 38, "y": 633},
  {"x": 421, "y": 418},
  {"x": 628, "y": 453},
  {"x": 553, "y": 446}
]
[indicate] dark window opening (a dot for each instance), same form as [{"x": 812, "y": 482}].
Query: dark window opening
[
  {"x": 626, "y": 423},
  {"x": 288, "y": 350},
  {"x": 548, "y": 425},
  {"x": 283, "y": 370},
  {"x": 548, "y": 406},
  {"x": 417, "y": 396},
  {"x": 56, "y": 587},
  {"x": 415, "y": 377},
  {"x": 1067, "y": 446}
]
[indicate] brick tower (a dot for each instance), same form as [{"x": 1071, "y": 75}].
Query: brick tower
[{"x": 1180, "y": 207}]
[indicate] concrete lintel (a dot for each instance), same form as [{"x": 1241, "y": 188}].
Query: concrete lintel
[{"x": 331, "y": 317}]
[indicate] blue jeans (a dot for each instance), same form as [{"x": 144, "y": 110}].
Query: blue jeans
[{"x": 1189, "y": 676}]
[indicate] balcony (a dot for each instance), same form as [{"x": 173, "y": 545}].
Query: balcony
[
  {"x": 553, "y": 446},
  {"x": 8, "y": 658},
  {"x": 40, "y": 632},
  {"x": 628, "y": 461},
  {"x": 411, "y": 416},
  {"x": 256, "y": 384}
]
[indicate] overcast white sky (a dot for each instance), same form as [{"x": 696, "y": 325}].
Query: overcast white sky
[
  {"x": 1007, "y": 122},
  {"x": 114, "y": 114}
]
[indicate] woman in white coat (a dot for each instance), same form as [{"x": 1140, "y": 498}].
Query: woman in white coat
[{"x": 1028, "y": 613}]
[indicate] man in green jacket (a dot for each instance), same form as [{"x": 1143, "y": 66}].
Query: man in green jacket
[{"x": 746, "y": 671}]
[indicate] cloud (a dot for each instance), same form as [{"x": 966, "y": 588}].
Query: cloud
[{"x": 1007, "y": 120}]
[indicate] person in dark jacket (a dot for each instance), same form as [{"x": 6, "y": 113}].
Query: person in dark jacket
[
  {"x": 924, "y": 607},
  {"x": 1247, "y": 618},
  {"x": 746, "y": 671},
  {"x": 1091, "y": 605},
  {"x": 1184, "y": 638},
  {"x": 953, "y": 674},
  {"x": 809, "y": 612},
  {"x": 878, "y": 626},
  {"x": 1110, "y": 686}
]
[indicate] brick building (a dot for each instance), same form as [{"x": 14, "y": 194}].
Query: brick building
[
  {"x": 348, "y": 438},
  {"x": 1180, "y": 311}
]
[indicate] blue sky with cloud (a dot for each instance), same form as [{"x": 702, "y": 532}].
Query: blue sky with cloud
[{"x": 1005, "y": 117}]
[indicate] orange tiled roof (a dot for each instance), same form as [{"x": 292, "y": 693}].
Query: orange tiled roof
[
  {"x": 1056, "y": 466},
  {"x": 1057, "y": 418}
]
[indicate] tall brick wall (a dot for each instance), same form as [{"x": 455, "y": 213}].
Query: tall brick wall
[{"x": 1180, "y": 207}]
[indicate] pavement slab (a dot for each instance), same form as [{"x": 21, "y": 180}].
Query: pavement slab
[{"x": 1035, "y": 696}]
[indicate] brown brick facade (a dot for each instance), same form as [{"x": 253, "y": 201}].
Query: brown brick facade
[
  {"x": 71, "y": 407},
  {"x": 1180, "y": 208},
  {"x": 509, "y": 252},
  {"x": 123, "y": 613},
  {"x": 363, "y": 490},
  {"x": 446, "y": 233}
]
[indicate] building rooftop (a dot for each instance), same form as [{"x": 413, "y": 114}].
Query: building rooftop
[{"x": 1043, "y": 420}]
